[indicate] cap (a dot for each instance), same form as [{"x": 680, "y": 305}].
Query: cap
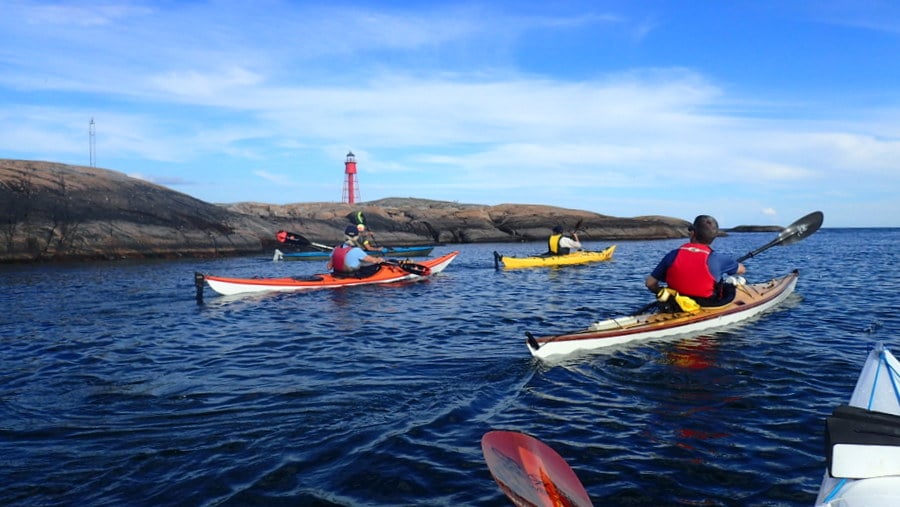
[
  {"x": 351, "y": 231},
  {"x": 705, "y": 228},
  {"x": 558, "y": 229},
  {"x": 360, "y": 227}
]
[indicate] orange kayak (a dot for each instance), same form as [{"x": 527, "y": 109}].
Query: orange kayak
[{"x": 392, "y": 272}]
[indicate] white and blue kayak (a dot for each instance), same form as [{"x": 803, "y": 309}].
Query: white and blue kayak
[{"x": 863, "y": 439}]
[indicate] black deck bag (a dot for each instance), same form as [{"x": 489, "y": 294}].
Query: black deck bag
[{"x": 862, "y": 443}]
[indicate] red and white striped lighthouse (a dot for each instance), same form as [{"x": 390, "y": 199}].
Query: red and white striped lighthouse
[{"x": 351, "y": 186}]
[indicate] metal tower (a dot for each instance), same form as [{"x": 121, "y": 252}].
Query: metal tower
[
  {"x": 93, "y": 144},
  {"x": 351, "y": 186}
]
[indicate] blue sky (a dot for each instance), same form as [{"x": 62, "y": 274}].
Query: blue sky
[{"x": 757, "y": 112}]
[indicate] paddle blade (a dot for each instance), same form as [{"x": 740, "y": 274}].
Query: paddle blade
[
  {"x": 531, "y": 473},
  {"x": 793, "y": 233},
  {"x": 802, "y": 228}
]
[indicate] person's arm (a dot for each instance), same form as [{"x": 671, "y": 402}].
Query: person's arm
[
  {"x": 652, "y": 284},
  {"x": 371, "y": 259},
  {"x": 726, "y": 265},
  {"x": 659, "y": 272},
  {"x": 575, "y": 241},
  {"x": 571, "y": 244}
]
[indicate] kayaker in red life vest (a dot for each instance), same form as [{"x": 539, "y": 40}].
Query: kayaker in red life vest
[
  {"x": 559, "y": 244},
  {"x": 695, "y": 269},
  {"x": 349, "y": 258}
]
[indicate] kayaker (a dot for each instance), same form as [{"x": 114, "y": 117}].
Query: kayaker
[
  {"x": 695, "y": 270},
  {"x": 350, "y": 259},
  {"x": 367, "y": 239},
  {"x": 560, "y": 244}
]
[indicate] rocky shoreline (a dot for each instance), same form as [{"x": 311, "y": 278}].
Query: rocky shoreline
[{"x": 63, "y": 212}]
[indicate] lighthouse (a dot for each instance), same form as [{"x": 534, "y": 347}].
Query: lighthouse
[{"x": 351, "y": 186}]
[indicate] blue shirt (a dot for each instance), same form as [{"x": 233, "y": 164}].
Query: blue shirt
[{"x": 354, "y": 258}]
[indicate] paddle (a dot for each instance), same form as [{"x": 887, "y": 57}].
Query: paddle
[
  {"x": 531, "y": 473},
  {"x": 791, "y": 234},
  {"x": 297, "y": 239},
  {"x": 293, "y": 238}
]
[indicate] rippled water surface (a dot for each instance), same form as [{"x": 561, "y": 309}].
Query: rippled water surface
[{"x": 118, "y": 388}]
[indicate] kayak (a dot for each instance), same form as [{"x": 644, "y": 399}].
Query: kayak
[
  {"x": 750, "y": 301},
  {"x": 863, "y": 439},
  {"x": 530, "y": 472},
  {"x": 389, "y": 273},
  {"x": 579, "y": 257},
  {"x": 394, "y": 251}
]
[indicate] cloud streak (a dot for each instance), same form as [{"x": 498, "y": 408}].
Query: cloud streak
[{"x": 443, "y": 102}]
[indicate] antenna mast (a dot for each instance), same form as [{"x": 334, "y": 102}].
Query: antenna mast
[{"x": 93, "y": 144}]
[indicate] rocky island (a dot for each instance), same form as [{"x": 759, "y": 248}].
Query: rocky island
[{"x": 55, "y": 211}]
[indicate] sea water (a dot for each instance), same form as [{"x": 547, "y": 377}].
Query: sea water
[{"x": 118, "y": 388}]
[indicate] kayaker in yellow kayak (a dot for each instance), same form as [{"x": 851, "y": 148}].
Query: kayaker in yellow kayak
[
  {"x": 695, "y": 270},
  {"x": 560, "y": 244},
  {"x": 350, "y": 259}
]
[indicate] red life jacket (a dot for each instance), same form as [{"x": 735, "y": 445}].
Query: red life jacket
[
  {"x": 338, "y": 258},
  {"x": 689, "y": 273}
]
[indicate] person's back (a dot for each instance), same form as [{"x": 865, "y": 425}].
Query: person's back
[
  {"x": 559, "y": 244},
  {"x": 695, "y": 269}
]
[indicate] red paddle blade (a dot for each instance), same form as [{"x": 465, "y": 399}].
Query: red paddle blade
[
  {"x": 281, "y": 236},
  {"x": 531, "y": 473}
]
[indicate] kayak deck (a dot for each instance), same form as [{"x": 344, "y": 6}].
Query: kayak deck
[
  {"x": 389, "y": 273},
  {"x": 579, "y": 257},
  {"x": 750, "y": 300},
  {"x": 877, "y": 390}
]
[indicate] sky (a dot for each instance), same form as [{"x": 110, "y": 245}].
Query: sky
[{"x": 756, "y": 112}]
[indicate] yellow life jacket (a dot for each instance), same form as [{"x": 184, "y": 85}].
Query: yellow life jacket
[
  {"x": 553, "y": 245},
  {"x": 671, "y": 301}
]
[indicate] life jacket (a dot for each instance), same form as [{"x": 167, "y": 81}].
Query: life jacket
[
  {"x": 553, "y": 245},
  {"x": 689, "y": 273},
  {"x": 338, "y": 258}
]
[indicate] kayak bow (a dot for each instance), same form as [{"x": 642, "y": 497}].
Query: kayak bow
[{"x": 866, "y": 473}]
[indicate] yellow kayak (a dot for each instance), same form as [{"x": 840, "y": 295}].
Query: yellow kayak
[{"x": 580, "y": 257}]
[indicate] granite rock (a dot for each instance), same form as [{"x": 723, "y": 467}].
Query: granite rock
[{"x": 56, "y": 211}]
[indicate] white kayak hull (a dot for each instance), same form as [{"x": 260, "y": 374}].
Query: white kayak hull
[
  {"x": 750, "y": 301},
  {"x": 877, "y": 390},
  {"x": 389, "y": 274}
]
